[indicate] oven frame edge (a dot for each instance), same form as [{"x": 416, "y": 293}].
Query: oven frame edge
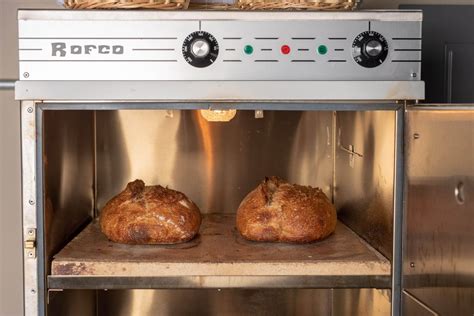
[{"x": 35, "y": 281}]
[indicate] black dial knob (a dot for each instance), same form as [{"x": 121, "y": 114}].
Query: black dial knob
[
  {"x": 200, "y": 49},
  {"x": 369, "y": 49}
]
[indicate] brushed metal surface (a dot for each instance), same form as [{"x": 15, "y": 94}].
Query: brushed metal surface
[
  {"x": 215, "y": 164},
  {"x": 361, "y": 302},
  {"x": 367, "y": 302},
  {"x": 214, "y": 302},
  {"x": 219, "y": 282},
  {"x": 33, "y": 296},
  {"x": 72, "y": 303},
  {"x": 202, "y": 91},
  {"x": 68, "y": 192},
  {"x": 151, "y": 49},
  {"x": 439, "y": 249},
  {"x": 413, "y": 307},
  {"x": 365, "y": 179}
]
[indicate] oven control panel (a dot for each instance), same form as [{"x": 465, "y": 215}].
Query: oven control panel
[{"x": 345, "y": 46}]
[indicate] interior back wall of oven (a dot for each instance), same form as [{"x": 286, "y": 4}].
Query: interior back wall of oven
[{"x": 215, "y": 163}]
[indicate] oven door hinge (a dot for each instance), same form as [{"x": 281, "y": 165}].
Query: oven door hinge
[{"x": 30, "y": 243}]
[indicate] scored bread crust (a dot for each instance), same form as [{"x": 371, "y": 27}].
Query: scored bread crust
[
  {"x": 279, "y": 211},
  {"x": 150, "y": 215}
]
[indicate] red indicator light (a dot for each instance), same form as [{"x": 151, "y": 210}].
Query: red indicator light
[{"x": 285, "y": 49}]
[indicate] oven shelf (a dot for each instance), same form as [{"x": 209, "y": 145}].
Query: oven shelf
[{"x": 219, "y": 258}]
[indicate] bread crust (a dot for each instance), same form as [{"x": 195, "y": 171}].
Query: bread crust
[
  {"x": 150, "y": 215},
  {"x": 277, "y": 211}
]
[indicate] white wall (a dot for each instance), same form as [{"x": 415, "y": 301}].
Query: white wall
[{"x": 10, "y": 217}]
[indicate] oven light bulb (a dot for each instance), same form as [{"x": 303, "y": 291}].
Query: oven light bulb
[{"x": 218, "y": 115}]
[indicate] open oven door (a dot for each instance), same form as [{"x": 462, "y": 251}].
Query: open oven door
[{"x": 438, "y": 247}]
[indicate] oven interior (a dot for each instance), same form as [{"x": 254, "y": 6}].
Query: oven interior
[{"x": 88, "y": 156}]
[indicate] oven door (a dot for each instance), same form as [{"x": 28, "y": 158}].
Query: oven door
[{"x": 438, "y": 263}]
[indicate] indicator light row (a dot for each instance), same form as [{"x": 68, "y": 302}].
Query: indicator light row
[{"x": 285, "y": 49}]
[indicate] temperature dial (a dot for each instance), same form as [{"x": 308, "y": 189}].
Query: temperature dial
[
  {"x": 369, "y": 49},
  {"x": 200, "y": 49}
]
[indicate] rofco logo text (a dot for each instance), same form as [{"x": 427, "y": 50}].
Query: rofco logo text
[{"x": 61, "y": 49}]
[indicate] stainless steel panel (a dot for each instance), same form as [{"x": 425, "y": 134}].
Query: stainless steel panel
[
  {"x": 152, "y": 49},
  {"x": 216, "y": 164},
  {"x": 32, "y": 303},
  {"x": 361, "y": 302},
  {"x": 169, "y": 91},
  {"x": 365, "y": 153},
  {"x": 214, "y": 302},
  {"x": 155, "y": 54},
  {"x": 413, "y": 307},
  {"x": 72, "y": 303},
  {"x": 439, "y": 252},
  {"x": 68, "y": 192},
  {"x": 212, "y": 281}
]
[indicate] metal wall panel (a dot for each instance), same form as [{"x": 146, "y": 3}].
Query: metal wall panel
[
  {"x": 413, "y": 307},
  {"x": 216, "y": 164},
  {"x": 361, "y": 302},
  {"x": 72, "y": 303},
  {"x": 439, "y": 249},
  {"x": 214, "y": 302},
  {"x": 68, "y": 192},
  {"x": 366, "y": 302},
  {"x": 365, "y": 178},
  {"x": 150, "y": 47}
]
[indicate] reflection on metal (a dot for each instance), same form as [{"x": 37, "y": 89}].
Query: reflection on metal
[
  {"x": 361, "y": 302},
  {"x": 73, "y": 303},
  {"x": 413, "y": 307},
  {"x": 314, "y": 302},
  {"x": 364, "y": 191},
  {"x": 439, "y": 262},
  {"x": 68, "y": 164},
  {"x": 224, "y": 160},
  {"x": 214, "y": 302},
  {"x": 7, "y": 84}
]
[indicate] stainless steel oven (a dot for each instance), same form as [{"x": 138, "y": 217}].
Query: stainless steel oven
[{"x": 327, "y": 99}]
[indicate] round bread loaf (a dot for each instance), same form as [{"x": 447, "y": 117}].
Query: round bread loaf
[
  {"x": 150, "y": 215},
  {"x": 279, "y": 211}
]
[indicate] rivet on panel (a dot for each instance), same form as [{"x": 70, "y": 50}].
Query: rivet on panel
[
  {"x": 33, "y": 291},
  {"x": 412, "y": 264},
  {"x": 31, "y": 202},
  {"x": 416, "y": 136},
  {"x": 26, "y": 74},
  {"x": 30, "y": 110},
  {"x": 413, "y": 74}
]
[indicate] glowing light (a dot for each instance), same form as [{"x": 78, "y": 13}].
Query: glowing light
[{"x": 218, "y": 115}]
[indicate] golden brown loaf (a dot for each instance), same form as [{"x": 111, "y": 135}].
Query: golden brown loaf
[
  {"x": 279, "y": 211},
  {"x": 150, "y": 215}
]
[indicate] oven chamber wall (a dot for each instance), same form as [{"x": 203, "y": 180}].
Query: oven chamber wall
[{"x": 89, "y": 156}]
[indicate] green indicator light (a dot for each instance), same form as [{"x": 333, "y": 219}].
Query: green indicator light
[
  {"x": 248, "y": 49},
  {"x": 322, "y": 49}
]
